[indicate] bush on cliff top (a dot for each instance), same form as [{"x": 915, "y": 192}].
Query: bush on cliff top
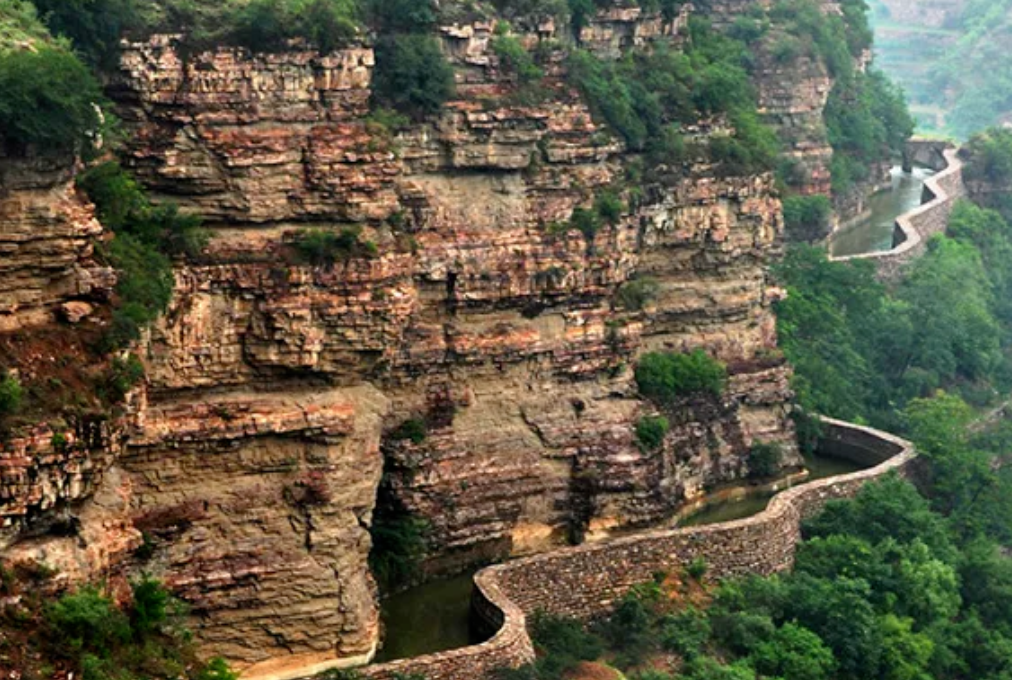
[
  {"x": 647, "y": 95},
  {"x": 96, "y": 26},
  {"x": 666, "y": 377},
  {"x": 322, "y": 248},
  {"x": 49, "y": 101},
  {"x": 989, "y": 158}
]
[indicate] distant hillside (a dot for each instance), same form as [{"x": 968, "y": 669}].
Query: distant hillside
[{"x": 952, "y": 57}]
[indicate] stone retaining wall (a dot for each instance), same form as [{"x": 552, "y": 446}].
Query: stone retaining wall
[
  {"x": 916, "y": 227},
  {"x": 585, "y": 581}
]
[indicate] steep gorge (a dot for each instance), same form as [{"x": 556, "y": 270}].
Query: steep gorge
[{"x": 244, "y": 473}]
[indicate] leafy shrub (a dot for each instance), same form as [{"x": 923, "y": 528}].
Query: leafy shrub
[
  {"x": 267, "y": 25},
  {"x": 398, "y": 546},
  {"x": 94, "y": 26},
  {"x": 123, "y": 375},
  {"x": 99, "y": 641},
  {"x": 11, "y": 394},
  {"x": 412, "y": 75},
  {"x": 401, "y": 16},
  {"x": 144, "y": 287},
  {"x": 764, "y": 459},
  {"x": 587, "y": 222},
  {"x": 609, "y": 207},
  {"x": 124, "y": 207},
  {"x": 685, "y": 632},
  {"x": 146, "y": 237},
  {"x": 697, "y": 568},
  {"x": 564, "y": 643},
  {"x": 321, "y": 248},
  {"x": 665, "y": 377},
  {"x": 650, "y": 432},
  {"x": 514, "y": 59},
  {"x": 807, "y": 218},
  {"x": 636, "y": 294},
  {"x": 88, "y": 622},
  {"x": 988, "y": 157},
  {"x": 49, "y": 101},
  {"x": 867, "y": 120},
  {"x": 150, "y": 607},
  {"x": 629, "y": 630},
  {"x": 413, "y": 429},
  {"x": 794, "y": 653}
]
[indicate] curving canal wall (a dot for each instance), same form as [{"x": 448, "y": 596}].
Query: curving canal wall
[
  {"x": 585, "y": 581},
  {"x": 915, "y": 228}
]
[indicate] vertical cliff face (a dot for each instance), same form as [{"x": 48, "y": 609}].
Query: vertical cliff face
[
  {"x": 477, "y": 316},
  {"x": 275, "y": 388}
]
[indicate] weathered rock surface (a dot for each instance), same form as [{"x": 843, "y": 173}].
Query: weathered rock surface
[
  {"x": 47, "y": 239},
  {"x": 254, "y": 508},
  {"x": 251, "y": 472}
]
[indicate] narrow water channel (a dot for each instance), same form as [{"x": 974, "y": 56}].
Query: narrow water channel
[
  {"x": 435, "y": 616},
  {"x": 819, "y": 467},
  {"x": 874, "y": 233},
  {"x": 430, "y": 618}
]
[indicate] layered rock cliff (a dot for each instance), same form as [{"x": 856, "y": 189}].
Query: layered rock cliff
[
  {"x": 53, "y": 294},
  {"x": 274, "y": 388}
]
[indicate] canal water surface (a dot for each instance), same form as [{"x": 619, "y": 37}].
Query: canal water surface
[{"x": 874, "y": 233}]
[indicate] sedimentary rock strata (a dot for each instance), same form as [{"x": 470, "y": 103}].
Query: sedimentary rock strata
[{"x": 274, "y": 387}]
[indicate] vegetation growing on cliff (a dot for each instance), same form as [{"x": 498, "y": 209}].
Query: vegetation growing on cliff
[
  {"x": 96, "y": 26},
  {"x": 988, "y": 163},
  {"x": 666, "y": 377},
  {"x": 85, "y": 633},
  {"x": 868, "y": 123},
  {"x": 147, "y": 237},
  {"x": 807, "y": 219},
  {"x": 646, "y": 97},
  {"x": 50, "y": 100}
]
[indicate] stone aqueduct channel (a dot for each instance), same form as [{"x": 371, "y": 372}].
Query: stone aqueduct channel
[
  {"x": 585, "y": 581},
  {"x": 915, "y": 228}
]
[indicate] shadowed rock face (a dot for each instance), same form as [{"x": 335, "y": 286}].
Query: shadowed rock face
[{"x": 254, "y": 458}]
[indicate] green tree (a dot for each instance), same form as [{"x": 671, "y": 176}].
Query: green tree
[
  {"x": 807, "y": 218},
  {"x": 412, "y": 75},
  {"x": 665, "y": 377},
  {"x": 50, "y": 101},
  {"x": 794, "y": 653}
]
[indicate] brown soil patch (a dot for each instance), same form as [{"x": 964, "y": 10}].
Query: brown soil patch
[
  {"x": 592, "y": 670},
  {"x": 59, "y": 368}
]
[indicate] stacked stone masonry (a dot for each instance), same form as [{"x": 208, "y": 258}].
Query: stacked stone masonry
[
  {"x": 915, "y": 228},
  {"x": 585, "y": 581}
]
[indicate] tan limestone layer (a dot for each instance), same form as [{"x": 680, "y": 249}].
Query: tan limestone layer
[
  {"x": 47, "y": 238},
  {"x": 256, "y": 507}
]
